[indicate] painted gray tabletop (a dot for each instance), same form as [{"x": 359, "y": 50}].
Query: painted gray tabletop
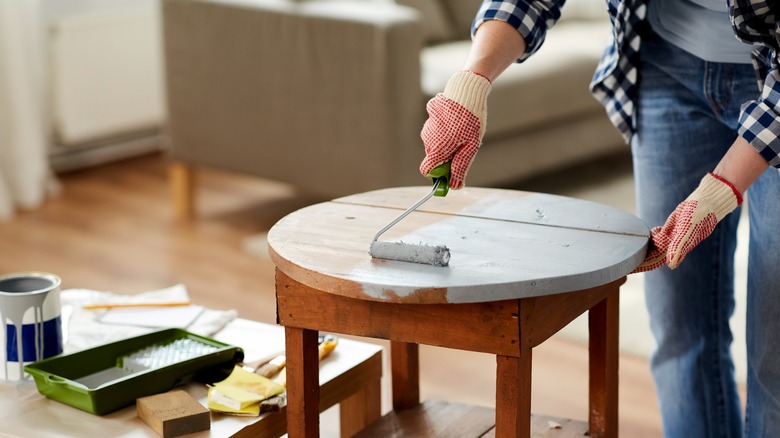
[{"x": 505, "y": 244}]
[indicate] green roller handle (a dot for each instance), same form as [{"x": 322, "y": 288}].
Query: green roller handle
[{"x": 441, "y": 174}]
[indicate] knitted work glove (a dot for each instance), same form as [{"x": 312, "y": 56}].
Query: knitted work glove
[
  {"x": 691, "y": 222},
  {"x": 455, "y": 125}
]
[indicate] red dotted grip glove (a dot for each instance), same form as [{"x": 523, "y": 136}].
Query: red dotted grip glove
[
  {"x": 455, "y": 125},
  {"x": 691, "y": 222}
]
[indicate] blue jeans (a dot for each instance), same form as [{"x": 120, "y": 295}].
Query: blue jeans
[{"x": 686, "y": 120}]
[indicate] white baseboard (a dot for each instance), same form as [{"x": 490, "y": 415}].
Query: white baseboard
[{"x": 73, "y": 157}]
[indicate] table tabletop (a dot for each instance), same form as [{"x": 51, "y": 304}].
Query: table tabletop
[
  {"x": 26, "y": 413},
  {"x": 505, "y": 244}
]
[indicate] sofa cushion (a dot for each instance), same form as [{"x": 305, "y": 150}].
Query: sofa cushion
[
  {"x": 435, "y": 23},
  {"x": 585, "y": 10},
  {"x": 547, "y": 88},
  {"x": 462, "y": 13}
]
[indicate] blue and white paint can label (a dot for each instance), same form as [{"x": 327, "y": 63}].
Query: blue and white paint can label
[{"x": 30, "y": 312}]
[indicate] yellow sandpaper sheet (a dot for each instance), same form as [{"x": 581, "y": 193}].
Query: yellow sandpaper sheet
[{"x": 241, "y": 392}]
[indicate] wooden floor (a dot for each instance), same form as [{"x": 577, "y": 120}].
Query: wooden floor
[{"x": 112, "y": 229}]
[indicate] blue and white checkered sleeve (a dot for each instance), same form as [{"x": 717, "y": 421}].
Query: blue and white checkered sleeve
[
  {"x": 754, "y": 22},
  {"x": 759, "y": 121},
  {"x": 531, "y": 18}
]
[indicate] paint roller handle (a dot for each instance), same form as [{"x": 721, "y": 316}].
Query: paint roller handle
[{"x": 441, "y": 174}]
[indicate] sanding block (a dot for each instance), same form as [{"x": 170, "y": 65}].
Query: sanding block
[{"x": 173, "y": 413}]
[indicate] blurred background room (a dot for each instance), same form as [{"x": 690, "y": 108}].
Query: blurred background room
[{"x": 147, "y": 143}]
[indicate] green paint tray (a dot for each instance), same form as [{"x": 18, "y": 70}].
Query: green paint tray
[{"x": 111, "y": 376}]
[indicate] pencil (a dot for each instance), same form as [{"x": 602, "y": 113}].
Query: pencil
[{"x": 128, "y": 305}]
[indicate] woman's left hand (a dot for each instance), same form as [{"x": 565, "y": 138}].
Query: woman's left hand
[{"x": 691, "y": 222}]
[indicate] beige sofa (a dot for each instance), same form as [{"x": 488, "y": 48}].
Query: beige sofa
[{"x": 330, "y": 95}]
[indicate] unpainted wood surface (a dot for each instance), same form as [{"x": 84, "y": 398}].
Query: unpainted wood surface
[
  {"x": 493, "y": 327},
  {"x": 439, "y": 419},
  {"x": 513, "y": 394},
  {"x": 405, "y": 367},
  {"x": 303, "y": 386},
  {"x": 505, "y": 245},
  {"x": 360, "y": 409},
  {"x": 433, "y": 419},
  {"x": 603, "y": 367},
  {"x": 533, "y": 320}
]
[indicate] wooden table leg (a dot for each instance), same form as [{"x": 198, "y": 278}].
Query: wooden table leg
[
  {"x": 405, "y": 368},
  {"x": 303, "y": 383},
  {"x": 361, "y": 409},
  {"x": 181, "y": 179},
  {"x": 603, "y": 362},
  {"x": 513, "y": 395}
]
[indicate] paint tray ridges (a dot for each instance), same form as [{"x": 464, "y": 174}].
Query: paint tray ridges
[{"x": 158, "y": 356}]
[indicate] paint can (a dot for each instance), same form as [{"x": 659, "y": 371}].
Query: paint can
[{"x": 30, "y": 312}]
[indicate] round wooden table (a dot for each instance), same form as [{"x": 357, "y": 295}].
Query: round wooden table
[{"x": 523, "y": 266}]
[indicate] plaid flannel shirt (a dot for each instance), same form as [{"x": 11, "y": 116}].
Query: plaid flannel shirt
[{"x": 614, "y": 83}]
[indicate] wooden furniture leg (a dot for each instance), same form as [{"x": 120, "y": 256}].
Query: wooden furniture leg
[
  {"x": 181, "y": 178},
  {"x": 361, "y": 409},
  {"x": 513, "y": 395},
  {"x": 405, "y": 364},
  {"x": 303, "y": 383},
  {"x": 508, "y": 329},
  {"x": 603, "y": 321}
]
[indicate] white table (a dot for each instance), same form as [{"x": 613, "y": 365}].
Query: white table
[{"x": 349, "y": 376}]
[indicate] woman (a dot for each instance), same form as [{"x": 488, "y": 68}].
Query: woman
[{"x": 682, "y": 90}]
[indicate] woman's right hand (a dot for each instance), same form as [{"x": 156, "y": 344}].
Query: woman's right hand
[{"x": 456, "y": 125}]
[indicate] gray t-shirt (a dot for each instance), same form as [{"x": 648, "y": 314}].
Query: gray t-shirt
[{"x": 700, "y": 27}]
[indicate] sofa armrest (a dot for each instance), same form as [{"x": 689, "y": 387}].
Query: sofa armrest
[{"x": 295, "y": 91}]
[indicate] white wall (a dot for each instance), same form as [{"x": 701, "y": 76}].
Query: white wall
[{"x": 105, "y": 79}]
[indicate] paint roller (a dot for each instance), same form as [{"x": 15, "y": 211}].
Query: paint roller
[{"x": 436, "y": 255}]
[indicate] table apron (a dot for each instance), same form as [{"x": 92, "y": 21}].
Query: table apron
[{"x": 493, "y": 327}]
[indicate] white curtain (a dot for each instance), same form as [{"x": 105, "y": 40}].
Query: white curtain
[{"x": 25, "y": 175}]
